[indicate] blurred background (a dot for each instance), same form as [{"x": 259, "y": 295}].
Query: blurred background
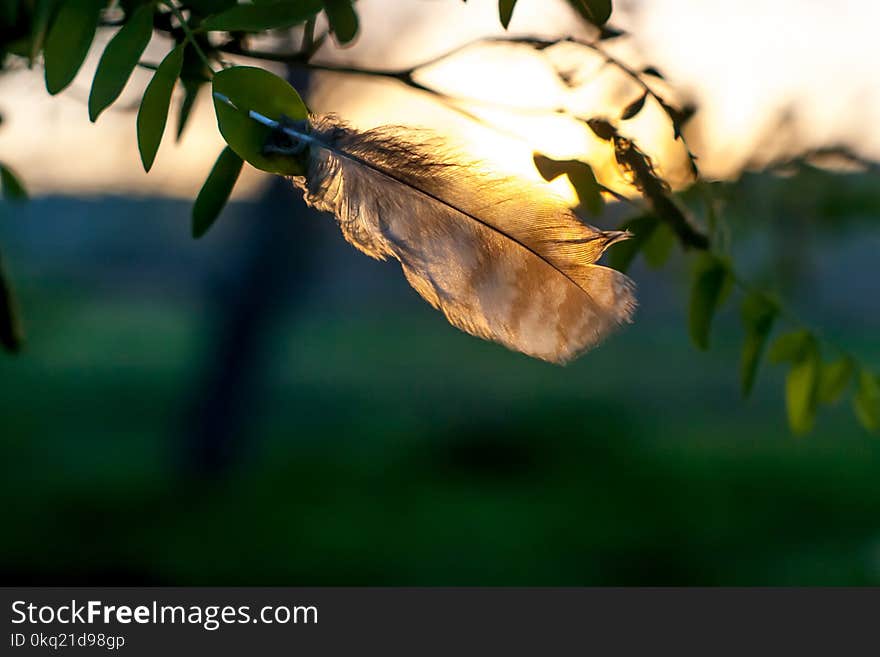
[{"x": 268, "y": 406}]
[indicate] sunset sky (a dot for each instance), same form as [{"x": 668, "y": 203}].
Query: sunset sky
[{"x": 767, "y": 77}]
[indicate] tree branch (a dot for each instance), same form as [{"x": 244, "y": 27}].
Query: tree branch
[
  {"x": 407, "y": 76},
  {"x": 184, "y": 25},
  {"x": 687, "y": 234}
]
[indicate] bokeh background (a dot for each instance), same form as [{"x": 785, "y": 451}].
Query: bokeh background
[{"x": 268, "y": 406}]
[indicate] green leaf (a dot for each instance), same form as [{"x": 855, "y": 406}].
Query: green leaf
[
  {"x": 581, "y": 176},
  {"x": 13, "y": 190},
  {"x": 43, "y": 10},
  {"x": 208, "y": 7},
  {"x": 153, "y": 112},
  {"x": 587, "y": 187},
  {"x": 191, "y": 89},
  {"x": 194, "y": 75},
  {"x": 866, "y": 402},
  {"x": 119, "y": 59},
  {"x": 10, "y": 327},
  {"x": 8, "y": 12},
  {"x": 622, "y": 254},
  {"x": 505, "y": 11},
  {"x": 710, "y": 285},
  {"x": 596, "y": 11},
  {"x": 260, "y": 17},
  {"x": 758, "y": 314},
  {"x": 792, "y": 346},
  {"x": 634, "y": 107},
  {"x": 68, "y": 41},
  {"x": 659, "y": 245},
  {"x": 343, "y": 19},
  {"x": 259, "y": 90},
  {"x": 801, "y": 385},
  {"x": 753, "y": 345},
  {"x": 215, "y": 192},
  {"x": 833, "y": 379}
]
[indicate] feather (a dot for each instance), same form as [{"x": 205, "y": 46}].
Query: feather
[{"x": 500, "y": 257}]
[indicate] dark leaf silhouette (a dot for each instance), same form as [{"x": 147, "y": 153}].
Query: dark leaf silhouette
[
  {"x": 153, "y": 111},
  {"x": 651, "y": 70},
  {"x": 343, "y": 19},
  {"x": 208, "y": 7},
  {"x": 119, "y": 59},
  {"x": 607, "y": 32},
  {"x": 12, "y": 188},
  {"x": 215, "y": 192},
  {"x": 596, "y": 11},
  {"x": 634, "y": 107},
  {"x": 602, "y": 129},
  {"x": 757, "y": 314},
  {"x": 43, "y": 12},
  {"x": 678, "y": 116},
  {"x": 68, "y": 41},
  {"x": 194, "y": 75},
  {"x": 710, "y": 285},
  {"x": 259, "y": 17},
  {"x": 505, "y": 11},
  {"x": 638, "y": 169},
  {"x": 581, "y": 176}
]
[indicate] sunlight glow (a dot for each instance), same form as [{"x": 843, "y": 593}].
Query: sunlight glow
[{"x": 763, "y": 87}]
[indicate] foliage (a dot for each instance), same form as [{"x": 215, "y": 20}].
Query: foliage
[
  {"x": 153, "y": 112},
  {"x": 255, "y": 89},
  {"x": 204, "y": 33},
  {"x": 216, "y": 190}
]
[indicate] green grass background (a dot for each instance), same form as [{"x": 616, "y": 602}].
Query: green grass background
[{"x": 386, "y": 448}]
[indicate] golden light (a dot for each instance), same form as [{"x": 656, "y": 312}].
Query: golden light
[
  {"x": 512, "y": 94},
  {"x": 501, "y": 103}
]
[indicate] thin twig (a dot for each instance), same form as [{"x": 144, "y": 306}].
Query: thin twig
[
  {"x": 407, "y": 75},
  {"x": 184, "y": 25},
  {"x": 838, "y": 151}
]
